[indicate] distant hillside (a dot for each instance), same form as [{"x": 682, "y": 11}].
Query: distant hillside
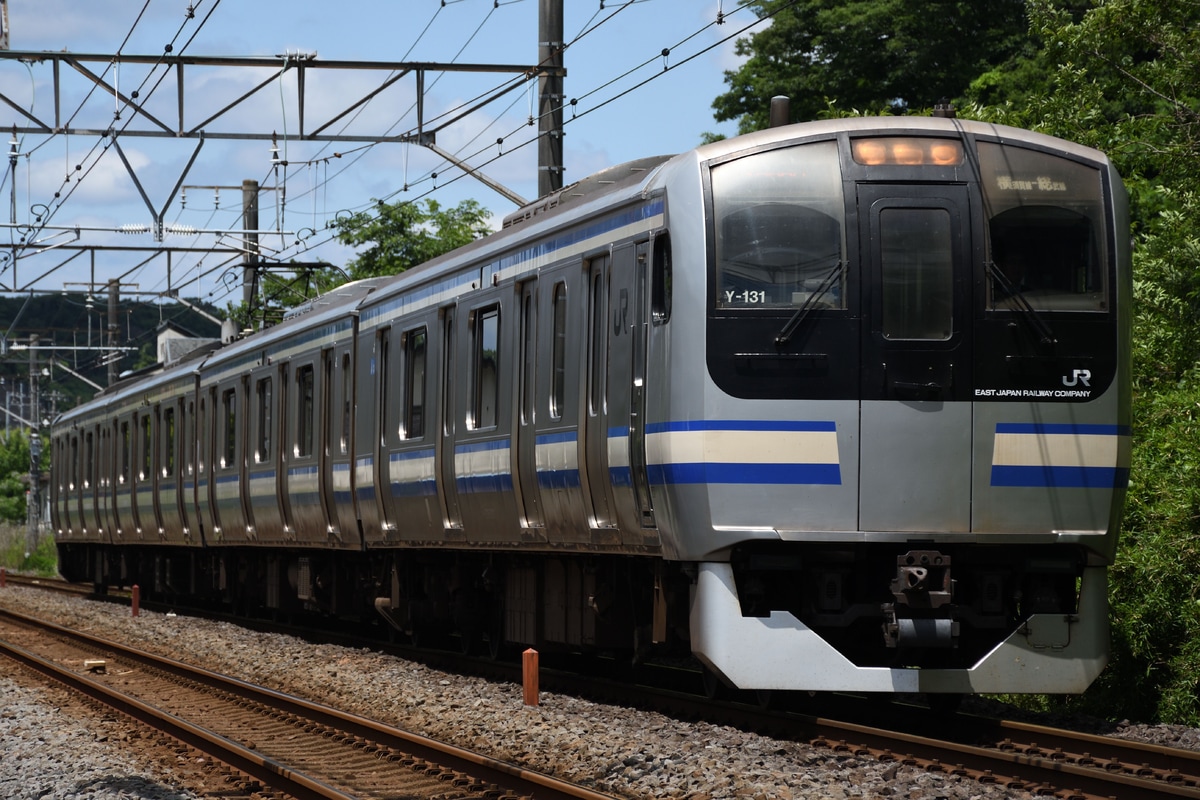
[{"x": 63, "y": 320}]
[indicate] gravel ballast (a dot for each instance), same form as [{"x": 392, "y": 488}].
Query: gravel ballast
[
  {"x": 624, "y": 752},
  {"x": 72, "y": 753}
]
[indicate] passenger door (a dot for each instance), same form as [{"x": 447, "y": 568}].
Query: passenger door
[
  {"x": 524, "y": 453},
  {"x": 916, "y": 357},
  {"x": 448, "y": 483},
  {"x": 339, "y": 428},
  {"x": 595, "y": 458}
]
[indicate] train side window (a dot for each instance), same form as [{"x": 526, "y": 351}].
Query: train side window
[
  {"x": 147, "y": 449},
  {"x": 123, "y": 476},
  {"x": 262, "y": 393},
  {"x": 74, "y": 460},
  {"x": 200, "y": 451},
  {"x": 1046, "y": 225},
  {"x": 305, "y": 395},
  {"x": 528, "y": 364},
  {"x": 229, "y": 437},
  {"x": 660, "y": 280},
  {"x": 597, "y": 351},
  {"x": 89, "y": 461},
  {"x": 383, "y": 406},
  {"x": 189, "y": 438},
  {"x": 558, "y": 357},
  {"x": 347, "y": 403},
  {"x": 448, "y": 378},
  {"x": 414, "y": 408},
  {"x": 486, "y": 368},
  {"x": 169, "y": 441}
]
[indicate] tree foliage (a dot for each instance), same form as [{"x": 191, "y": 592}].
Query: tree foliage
[
  {"x": 400, "y": 236},
  {"x": 1126, "y": 81},
  {"x": 1120, "y": 75},
  {"x": 394, "y": 237},
  {"x": 14, "y": 466},
  {"x": 868, "y": 54}
]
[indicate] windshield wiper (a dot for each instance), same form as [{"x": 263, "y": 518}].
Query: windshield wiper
[
  {"x": 1020, "y": 303},
  {"x": 785, "y": 334}
]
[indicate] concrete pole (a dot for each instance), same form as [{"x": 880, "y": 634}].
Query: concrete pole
[
  {"x": 550, "y": 116},
  {"x": 35, "y": 448},
  {"x": 250, "y": 225},
  {"x": 114, "y": 325}
]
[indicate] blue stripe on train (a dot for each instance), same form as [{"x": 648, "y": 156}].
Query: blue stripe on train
[
  {"x": 1060, "y": 477},
  {"x": 820, "y": 474}
]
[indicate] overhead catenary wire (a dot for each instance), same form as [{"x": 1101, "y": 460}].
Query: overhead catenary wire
[
  {"x": 477, "y": 150},
  {"x": 577, "y": 115},
  {"x": 106, "y": 141}
]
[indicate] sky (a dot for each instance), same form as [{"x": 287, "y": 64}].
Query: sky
[{"x": 631, "y": 101}]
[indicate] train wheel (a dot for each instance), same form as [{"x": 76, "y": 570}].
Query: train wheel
[
  {"x": 415, "y": 637},
  {"x": 713, "y": 686},
  {"x": 495, "y": 637},
  {"x": 468, "y": 638}
]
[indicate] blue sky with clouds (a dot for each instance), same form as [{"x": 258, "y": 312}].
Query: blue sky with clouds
[{"x": 631, "y": 102}]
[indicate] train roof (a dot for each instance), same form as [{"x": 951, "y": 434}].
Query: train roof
[{"x": 895, "y": 125}]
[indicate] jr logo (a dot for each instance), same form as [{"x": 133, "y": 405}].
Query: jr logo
[{"x": 1077, "y": 377}]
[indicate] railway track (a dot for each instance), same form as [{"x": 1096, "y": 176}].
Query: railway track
[
  {"x": 1066, "y": 764},
  {"x": 1053, "y": 761},
  {"x": 48, "y": 584},
  {"x": 284, "y": 744}
]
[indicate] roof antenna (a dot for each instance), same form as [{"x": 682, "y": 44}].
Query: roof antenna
[{"x": 781, "y": 109}]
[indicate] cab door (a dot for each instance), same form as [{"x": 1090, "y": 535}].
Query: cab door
[{"x": 916, "y": 357}]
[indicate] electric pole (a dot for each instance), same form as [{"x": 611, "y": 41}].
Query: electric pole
[
  {"x": 35, "y": 448},
  {"x": 550, "y": 116},
  {"x": 250, "y": 225}
]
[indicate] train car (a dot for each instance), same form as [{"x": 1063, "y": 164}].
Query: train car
[{"x": 840, "y": 405}]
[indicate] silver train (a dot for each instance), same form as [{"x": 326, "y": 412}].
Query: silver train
[{"x": 842, "y": 405}]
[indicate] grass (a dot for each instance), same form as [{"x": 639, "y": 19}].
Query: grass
[{"x": 16, "y": 556}]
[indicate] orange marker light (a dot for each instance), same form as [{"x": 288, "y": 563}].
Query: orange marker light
[
  {"x": 869, "y": 152},
  {"x": 945, "y": 153},
  {"x": 907, "y": 151}
]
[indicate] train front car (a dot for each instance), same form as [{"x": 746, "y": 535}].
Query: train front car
[{"x": 904, "y": 467}]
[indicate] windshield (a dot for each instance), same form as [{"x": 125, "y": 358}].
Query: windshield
[
  {"x": 1045, "y": 230},
  {"x": 779, "y": 229}
]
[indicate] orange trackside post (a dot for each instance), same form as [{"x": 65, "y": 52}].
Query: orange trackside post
[
  {"x": 529, "y": 671},
  {"x": 136, "y": 600}
]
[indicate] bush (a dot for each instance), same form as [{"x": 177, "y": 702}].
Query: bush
[
  {"x": 16, "y": 557},
  {"x": 1154, "y": 599}
]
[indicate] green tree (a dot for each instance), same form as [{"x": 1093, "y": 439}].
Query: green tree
[
  {"x": 1127, "y": 83},
  {"x": 394, "y": 237},
  {"x": 403, "y": 235},
  {"x": 14, "y": 473},
  {"x": 1121, "y": 76},
  {"x": 868, "y": 54}
]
